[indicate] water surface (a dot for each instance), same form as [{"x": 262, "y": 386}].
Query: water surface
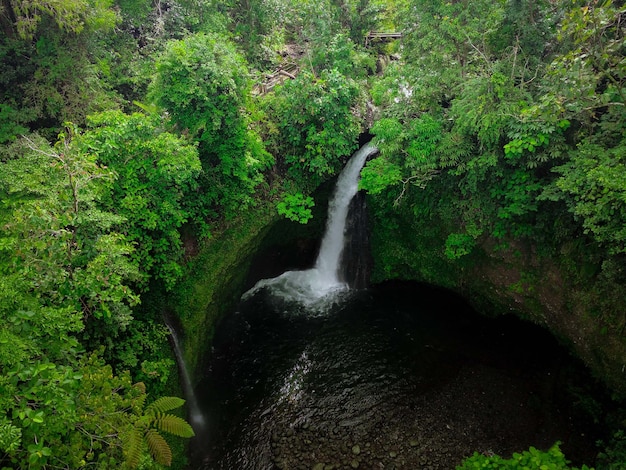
[{"x": 398, "y": 376}]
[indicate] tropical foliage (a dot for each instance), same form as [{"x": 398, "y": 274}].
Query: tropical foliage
[
  {"x": 131, "y": 131},
  {"x": 145, "y": 430},
  {"x": 552, "y": 459},
  {"x": 155, "y": 173},
  {"x": 510, "y": 130},
  {"x": 204, "y": 85},
  {"x": 307, "y": 112}
]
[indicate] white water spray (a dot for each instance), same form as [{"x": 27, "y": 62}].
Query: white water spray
[
  {"x": 321, "y": 283},
  {"x": 196, "y": 418}
]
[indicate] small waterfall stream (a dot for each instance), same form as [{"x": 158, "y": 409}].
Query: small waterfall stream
[
  {"x": 196, "y": 418},
  {"x": 319, "y": 286}
]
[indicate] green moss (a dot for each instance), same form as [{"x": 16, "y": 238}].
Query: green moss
[
  {"x": 214, "y": 279},
  {"x": 411, "y": 248}
]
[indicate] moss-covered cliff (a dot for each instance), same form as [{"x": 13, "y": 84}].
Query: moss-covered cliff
[
  {"x": 214, "y": 280},
  {"x": 258, "y": 244},
  {"x": 562, "y": 290}
]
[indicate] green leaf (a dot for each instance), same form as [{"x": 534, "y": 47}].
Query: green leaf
[
  {"x": 296, "y": 207},
  {"x": 132, "y": 447},
  {"x": 159, "y": 448},
  {"x": 174, "y": 425},
  {"x": 164, "y": 404}
]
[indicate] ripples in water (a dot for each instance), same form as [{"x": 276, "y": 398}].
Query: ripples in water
[{"x": 399, "y": 376}]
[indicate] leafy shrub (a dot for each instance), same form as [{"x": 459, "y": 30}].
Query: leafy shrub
[
  {"x": 316, "y": 124},
  {"x": 531, "y": 459},
  {"x": 296, "y": 207}
]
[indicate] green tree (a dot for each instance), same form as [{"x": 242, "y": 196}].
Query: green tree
[
  {"x": 412, "y": 146},
  {"x": 586, "y": 80},
  {"x": 56, "y": 225},
  {"x": 69, "y": 15},
  {"x": 61, "y": 262},
  {"x": 48, "y": 69},
  {"x": 457, "y": 118},
  {"x": 204, "y": 85},
  {"x": 316, "y": 124},
  {"x": 340, "y": 53},
  {"x": 585, "y": 89},
  {"x": 258, "y": 26},
  {"x": 366, "y": 16},
  {"x": 155, "y": 170},
  {"x": 593, "y": 184}
]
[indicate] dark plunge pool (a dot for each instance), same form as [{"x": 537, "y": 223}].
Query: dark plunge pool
[{"x": 401, "y": 375}]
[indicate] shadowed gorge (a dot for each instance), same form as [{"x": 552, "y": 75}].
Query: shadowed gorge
[{"x": 401, "y": 374}]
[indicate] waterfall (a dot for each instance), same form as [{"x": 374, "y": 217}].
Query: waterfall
[
  {"x": 315, "y": 286},
  {"x": 196, "y": 418},
  {"x": 327, "y": 263}
]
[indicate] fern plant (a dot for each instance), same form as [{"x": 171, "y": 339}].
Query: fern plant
[{"x": 146, "y": 429}]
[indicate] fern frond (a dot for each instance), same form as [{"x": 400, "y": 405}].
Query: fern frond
[
  {"x": 174, "y": 425},
  {"x": 132, "y": 447},
  {"x": 159, "y": 448},
  {"x": 141, "y": 399},
  {"x": 163, "y": 404}
]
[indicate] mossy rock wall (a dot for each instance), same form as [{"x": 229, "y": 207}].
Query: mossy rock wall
[
  {"x": 543, "y": 290},
  {"x": 214, "y": 280},
  {"x": 256, "y": 245},
  {"x": 557, "y": 292},
  {"x": 500, "y": 277}
]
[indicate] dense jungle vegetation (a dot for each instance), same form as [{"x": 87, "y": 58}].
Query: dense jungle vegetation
[{"x": 131, "y": 131}]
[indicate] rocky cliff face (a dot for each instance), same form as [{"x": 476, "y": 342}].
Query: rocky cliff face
[
  {"x": 564, "y": 293},
  {"x": 544, "y": 290},
  {"x": 214, "y": 280},
  {"x": 558, "y": 292},
  {"x": 356, "y": 260}
]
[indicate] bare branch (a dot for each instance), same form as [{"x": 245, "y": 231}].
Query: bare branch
[
  {"x": 31, "y": 145},
  {"x": 425, "y": 177},
  {"x": 481, "y": 53}
]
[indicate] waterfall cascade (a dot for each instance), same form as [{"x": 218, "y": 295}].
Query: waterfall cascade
[
  {"x": 320, "y": 284},
  {"x": 196, "y": 418}
]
